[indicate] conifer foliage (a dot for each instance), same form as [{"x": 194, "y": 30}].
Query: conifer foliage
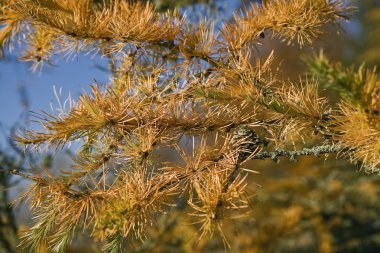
[{"x": 176, "y": 83}]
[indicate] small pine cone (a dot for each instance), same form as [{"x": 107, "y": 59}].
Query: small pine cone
[{"x": 247, "y": 142}]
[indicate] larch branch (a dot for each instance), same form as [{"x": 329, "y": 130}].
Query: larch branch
[{"x": 292, "y": 154}]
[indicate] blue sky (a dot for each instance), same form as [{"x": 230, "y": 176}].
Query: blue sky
[{"x": 72, "y": 77}]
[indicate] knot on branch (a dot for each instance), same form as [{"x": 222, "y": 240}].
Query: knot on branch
[{"x": 247, "y": 141}]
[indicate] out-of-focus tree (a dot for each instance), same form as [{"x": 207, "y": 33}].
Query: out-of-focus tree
[
  {"x": 163, "y": 5},
  {"x": 366, "y": 43},
  {"x": 8, "y": 229},
  {"x": 12, "y": 161},
  {"x": 325, "y": 208}
]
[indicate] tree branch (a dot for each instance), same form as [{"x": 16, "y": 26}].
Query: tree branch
[
  {"x": 18, "y": 173},
  {"x": 315, "y": 151}
]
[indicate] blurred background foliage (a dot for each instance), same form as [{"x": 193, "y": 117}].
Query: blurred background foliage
[
  {"x": 163, "y": 5},
  {"x": 308, "y": 206},
  {"x": 319, "y": 205},
  {"x": 366, "y": 46}
]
